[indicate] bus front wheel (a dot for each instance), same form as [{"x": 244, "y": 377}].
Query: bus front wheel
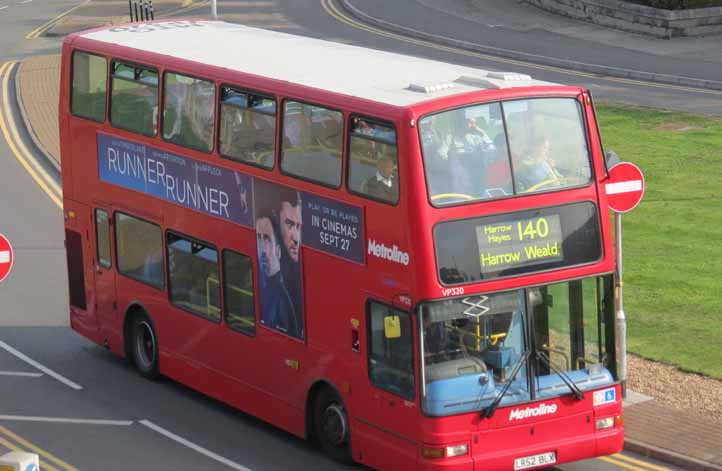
[
  {"x": 332, "y": 426},
  {"x": 144, "y": 346}
]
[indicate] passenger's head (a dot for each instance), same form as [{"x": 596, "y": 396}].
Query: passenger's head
[
  {"x": 386, "y": 165},
  {"x": 291, "y": 223},
  {"x": 269, "y": 251}
]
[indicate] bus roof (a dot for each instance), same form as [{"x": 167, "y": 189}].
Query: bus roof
[{"x": 379, "y": 76}]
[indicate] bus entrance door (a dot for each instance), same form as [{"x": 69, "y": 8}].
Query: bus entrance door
[
  {"x": 393, "y": 418},
  {"x": 105, "y": 302}
]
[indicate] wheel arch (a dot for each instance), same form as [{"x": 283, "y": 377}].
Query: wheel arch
[{"x": 314, "y": 390}]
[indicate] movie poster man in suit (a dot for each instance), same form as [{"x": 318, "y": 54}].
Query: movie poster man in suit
[{"x": 278, "y": 223}]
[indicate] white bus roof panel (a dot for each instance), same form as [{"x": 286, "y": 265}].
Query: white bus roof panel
[{"x": 370, "y": 74}]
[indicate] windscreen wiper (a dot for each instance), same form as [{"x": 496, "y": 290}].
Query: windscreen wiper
[
  {"x": 491, "y": 408},
  {"x": 567, "y": 380}
]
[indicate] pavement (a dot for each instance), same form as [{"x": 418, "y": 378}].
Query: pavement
[{"x": 652, "y": 428}]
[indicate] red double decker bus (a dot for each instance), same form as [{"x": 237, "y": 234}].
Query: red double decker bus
[{"x": 407, "y": 260}]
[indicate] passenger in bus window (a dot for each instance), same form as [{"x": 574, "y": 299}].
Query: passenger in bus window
[
  {"x": 384, "y": 184},
  {"x": 290, "y": 221},
  {"x": 276, "y": 306},
  {"x": 435, "y": 144},
  {"x": 538, "y": 171},
  {"x": 467, "y": 154},
  {"x": 476, "y": 137}
]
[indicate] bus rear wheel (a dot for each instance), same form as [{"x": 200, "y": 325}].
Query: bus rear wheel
[
  {"x": 331, "y": 426},
  {"x": 144, "y": 346}
]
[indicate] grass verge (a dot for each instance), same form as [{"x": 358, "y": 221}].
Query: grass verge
[{"x": 673, "y": 240}]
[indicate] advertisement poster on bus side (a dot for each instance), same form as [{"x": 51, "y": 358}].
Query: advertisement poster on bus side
[
  {"x": 278, "y": 223},
  {"x": 284, "y": 219},
  {"x": 196, "y": 185}
]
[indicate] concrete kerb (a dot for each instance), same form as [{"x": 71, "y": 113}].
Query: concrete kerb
[
  {"x": 28, "y": 125},
  {"x": 601, "y": 70},
  {"x": 668, "y": 456}
]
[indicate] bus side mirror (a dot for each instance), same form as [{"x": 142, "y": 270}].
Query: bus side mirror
[
  {"x": 392, "y": 327},
  {"x": 611, "y": 158}
]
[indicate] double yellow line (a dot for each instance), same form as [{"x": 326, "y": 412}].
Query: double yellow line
[
  {"x": 632, "y": 464},
  {"x": 9, "y": 130},
  {"x": 14, "y": 442},
  {"x": 330, "y": 7}
]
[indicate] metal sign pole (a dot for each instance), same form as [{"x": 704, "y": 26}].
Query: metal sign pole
[
  {"x": 621, "y": 326},
  {"x": 214, "y": 10}
]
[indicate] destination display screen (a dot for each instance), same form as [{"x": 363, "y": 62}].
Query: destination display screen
[{"x": 517, "y": 243}]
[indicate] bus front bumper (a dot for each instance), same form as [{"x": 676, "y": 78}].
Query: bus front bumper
[{"x": 570, "y": 449}]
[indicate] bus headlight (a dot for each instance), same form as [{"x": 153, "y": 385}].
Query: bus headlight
[
  {"x": 457, "y": 450},
  {"x": 607, "y": 422},
  {"x": 449, "y": 451}
]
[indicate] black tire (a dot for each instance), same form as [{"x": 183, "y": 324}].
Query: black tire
[
  {"x": 144, "y": 346},
  {"x": 332, "y": 427}
]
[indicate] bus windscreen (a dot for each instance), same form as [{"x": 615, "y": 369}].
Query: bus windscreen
[
  {"x": 517, "y": 243},
  {"x": 499, "y": 150}
]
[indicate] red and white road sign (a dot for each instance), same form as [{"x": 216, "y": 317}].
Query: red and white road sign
[
  {"x": 625, "y": 187},
  {"x": 6, "y": 257}
]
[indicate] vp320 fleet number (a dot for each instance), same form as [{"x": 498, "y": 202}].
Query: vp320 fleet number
[{"x": 452, "y": 291}]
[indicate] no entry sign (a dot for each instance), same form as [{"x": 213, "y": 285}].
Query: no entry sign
[
  {"x": 625, "y": 187},
  {"x": 6, "y": 257}
]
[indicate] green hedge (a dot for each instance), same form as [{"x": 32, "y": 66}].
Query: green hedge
[{"x": 678, "y": 4}]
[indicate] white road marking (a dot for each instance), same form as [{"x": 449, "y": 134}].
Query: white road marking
[
  {"x": 3, "y": 7},
  {"x": 20, "y": 373},
  {"x": 63, "y": 420},
  {"x": 40, "y": 367},
  {"x": 5, "y": 256},
  {"x": 193, "y": 446},
  {"x": 24, "y": 2},
  {"x": 624, "y": 187}
]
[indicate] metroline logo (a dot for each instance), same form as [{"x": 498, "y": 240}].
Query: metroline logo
[
  {"x": 392, "y": 254},
  {"x": 541, "y": 409}
]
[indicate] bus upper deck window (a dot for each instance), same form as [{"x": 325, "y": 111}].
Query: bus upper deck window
[
  {"x": 312, "y": 143},
  {"x": 247, "y": 131},
  {"x": 134, "y": 98},
  {"x": 188, "y": 111},
  {"x": 547, "y": 143},
  {"x": 88, "y": 94},
  {"x": 498, "y": 150},
  {"x": 373, "y": 160}
]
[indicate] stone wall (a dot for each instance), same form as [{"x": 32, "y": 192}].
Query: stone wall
[{"x": 639, "y": 18}]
